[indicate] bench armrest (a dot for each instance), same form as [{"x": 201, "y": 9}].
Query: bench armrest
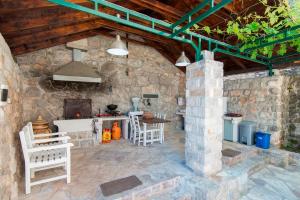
[
  {"x": 57, "y": 139},
  {"x": 50, "y": 147},
  {"x": 50, "y": 134}
]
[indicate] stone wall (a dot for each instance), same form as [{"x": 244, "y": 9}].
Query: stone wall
[
  {"x": 144, "y": 71},
  {"x": 10, "y": 124},
  {"x": 294, "y": 106},
  {"x": 259, "y": 99}
]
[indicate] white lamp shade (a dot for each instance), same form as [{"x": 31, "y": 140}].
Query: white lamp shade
[
  {"x": 118, "y": 47},
  {"x": 183, "y": 61}
]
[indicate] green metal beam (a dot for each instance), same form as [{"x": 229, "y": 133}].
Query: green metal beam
[
  {"x": 155, "y": 22},
  {"x": 270, "y": 68},
  {"x": 120, "y": 20},
  {"x": 201, "y": 17},
  {"x": 286, "y": 35},
  {"x": 193, "y": 37},
  {"x": 246, "y": 57},
  {"x": 189, "y": 14}
]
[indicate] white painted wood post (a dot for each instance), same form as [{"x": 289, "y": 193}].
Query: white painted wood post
[
  {"x": 27, "y": 180},
  {"x": 125, "y": 128},
  {"x": 161, "y": 132},
  {"x": 100, "y": 129},
  {"x": 68, "y": 163}
]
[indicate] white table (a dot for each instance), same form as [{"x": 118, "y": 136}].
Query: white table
[
  {"x": 80, "y": 125},
  {"x": 124, "y": 119}
]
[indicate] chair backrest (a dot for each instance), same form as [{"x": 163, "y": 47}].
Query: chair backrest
[
  {"x": 136, "y": 124},
  {"x": 131, "y": 117},
  {"x": 30, "y": 129},
  {"x": 25, "y": 143},
  {"x": 27, "y": 135}
]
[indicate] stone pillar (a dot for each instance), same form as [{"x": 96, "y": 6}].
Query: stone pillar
[{"x": 204, "y": 115}]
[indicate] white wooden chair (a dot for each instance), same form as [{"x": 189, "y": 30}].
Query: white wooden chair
[
  {"x": 142, "y": 135},
  {"x": 39, "y": 158},
  {"x": 160, "y": 127},
  {"x": 131, "y": 114}
]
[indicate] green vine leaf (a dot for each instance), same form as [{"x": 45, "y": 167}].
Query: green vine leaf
[
  {"x": 247, "y": 28},
  {"x": 207, "y": 29},
  {"x": 282, "y": 50}
]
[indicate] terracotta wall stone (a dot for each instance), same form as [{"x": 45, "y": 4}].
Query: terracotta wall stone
[
  {"x": 10, "y": 123},
  {"x": 144, "y": 71}
]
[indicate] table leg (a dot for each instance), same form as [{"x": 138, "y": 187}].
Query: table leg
[
  {"x": 161, "y": 129},
  {"x": 125, "y": 128},
  {"x": 99, "y": 134},
  {"x": 145, "y": 134}
]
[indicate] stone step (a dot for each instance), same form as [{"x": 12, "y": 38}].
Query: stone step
[
  {"x": 178, "y": 193},
  {"x": 148, "y": 191},
  {"x": 246, "y": 152},
  {"x": 230, "y": 183}
]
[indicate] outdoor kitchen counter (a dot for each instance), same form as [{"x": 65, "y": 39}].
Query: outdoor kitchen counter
[{"x": 81, "y": 125}]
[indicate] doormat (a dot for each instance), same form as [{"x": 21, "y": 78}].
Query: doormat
[
  {"x": 120, "y": 185},
  {"x": 230, "y": 153}
]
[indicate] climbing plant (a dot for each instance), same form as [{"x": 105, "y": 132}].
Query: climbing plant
[{"x": 248, "y": 27}]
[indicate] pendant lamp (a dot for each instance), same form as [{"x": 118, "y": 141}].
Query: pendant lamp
[
  {"x": 118, "y": 47},
  {"x": 183, "y": 61}
]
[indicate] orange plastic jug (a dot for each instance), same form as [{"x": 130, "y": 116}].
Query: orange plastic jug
[
  {"x": 116, "y": 131},
  {"x": 106, "y": 136}
]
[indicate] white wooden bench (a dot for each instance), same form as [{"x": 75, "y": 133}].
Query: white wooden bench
[
  {"x": 39, "y": 155},
  {"x": 35, "y": 137}
]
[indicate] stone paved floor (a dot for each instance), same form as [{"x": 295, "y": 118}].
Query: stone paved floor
[
  {"x": 93, "y": 166},
  {"x": 274, "y": 183},
  {"x": 152, "y": 164}
]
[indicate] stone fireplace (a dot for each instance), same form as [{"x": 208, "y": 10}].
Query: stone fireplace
[{"x": 77, "y": 108}]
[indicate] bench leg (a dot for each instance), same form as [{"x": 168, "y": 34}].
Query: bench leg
[
  {"x": 27, "y": 180},
  {"x": 68, "y": 166}
]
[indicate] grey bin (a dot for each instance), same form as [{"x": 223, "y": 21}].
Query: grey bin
[{"x": 247, "y": 132}]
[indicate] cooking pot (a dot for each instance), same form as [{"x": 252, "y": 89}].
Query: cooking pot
[{"x": 112, "y": 107}]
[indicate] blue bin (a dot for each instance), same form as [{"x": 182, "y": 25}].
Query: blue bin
[{"x": 263, "y": 140}]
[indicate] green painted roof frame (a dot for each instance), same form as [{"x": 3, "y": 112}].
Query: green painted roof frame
[{"x": 189, "y": 37}]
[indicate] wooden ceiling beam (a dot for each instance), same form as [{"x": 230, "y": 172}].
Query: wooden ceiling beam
[
  {"x": 53, "y": 33},
  {"x": 13, "y": 28},
  {"x": 160, "y": 8},
  {"x": 51, "y": 42},
  {"x": 87, "y": 26},
  {"x": 238, "y": 62},
  {"x": 230, "y": 7},
  {"x": 8, "y": 6},
  {"x": 62, "y": 40}
]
